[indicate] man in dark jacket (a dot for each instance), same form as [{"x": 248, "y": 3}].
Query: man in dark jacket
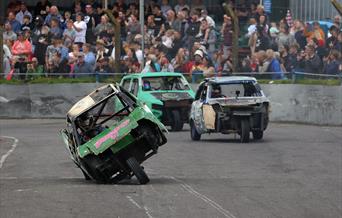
[
  {"x": 313, "y": 63},
  {"x": 193, "y": 29}
]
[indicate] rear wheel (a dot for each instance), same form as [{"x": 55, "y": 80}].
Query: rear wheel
[
  {"x": 137, "y": 170},
  {"x": 245, "y": 131},
  {"x": 257, "y": 135},
  {"x": 176, "y": 123},
  {"x": 195, "y": 136}
]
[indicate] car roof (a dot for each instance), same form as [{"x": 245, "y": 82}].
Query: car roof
[
  {"x": 230, "y": 79},
  {"x": 87, "y": 102},
  {"x": 153, "y": 74}
]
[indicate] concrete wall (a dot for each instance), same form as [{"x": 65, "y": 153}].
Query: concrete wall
[{"x": 320, "y": 105}]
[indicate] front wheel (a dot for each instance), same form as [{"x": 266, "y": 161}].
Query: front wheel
[
  {"x": 137, "y": 170},
  {"x": 176, "y": 123},
  {"x": 257, "y": 135},
  {"x": 195, "y": 136},
  {"x": 245, "y": 130}
]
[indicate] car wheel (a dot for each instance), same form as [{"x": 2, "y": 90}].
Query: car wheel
[
  {"x": 245, "y": 131},
  {"x": 92, "y": 164},
  {"x": 177, "y": 123},
  {"x": 195, "y": 136},
  {"x": 137, "y": 170},
  {"x": 257, "y": 135}
]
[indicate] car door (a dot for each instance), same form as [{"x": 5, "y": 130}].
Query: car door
[{"x": 197, "y": 108}]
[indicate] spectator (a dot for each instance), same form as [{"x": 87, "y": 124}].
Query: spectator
[
  {"x": 179, "y": 61},
  {"x": 16, "y": 26},
  {"x": 34, "y": 69},
  {"x": 197, "y": 67},
  {"x": 102, "y": 67},
  {"x": 165, "y": 65},
  {"x": 252, "y": 34},
  {"x": 23, "y": 11},
  {"x": 89, "y": 56},
  {"x": 40, "y": 8},
  {"x": 52, "y": 50},
  {"x": 58, "y": 66},
  {"x": 227, "y": 33},
  {"x": 262, "y": 41},
  {"x": 53, "y": 13},
  {"x": 284, "y": 37},
  {"x": 133, "y": 28},
  {"x": 274, "y": 66},
  {"x": 210, "y": 20},
  {"x": 159, "y": 19},
  {"x": 165, "y": 7},
  {"x": 104, "y": 26},
  {"x": 151, "y": 64},
  {"x": 82, "y": 67},
  {"x": 22, "y": 47},
  {"x": 55, "y": 29},
  {"x": 193, "y": 29},
  {"x": 171, "y": 21},
  {"x": 299, "y": 34},
  {"x": 27, "y": 24},
  {"x": 197, "y": 5},
  {"x": 9, "y": 34},
  {"x": 209, "y": 37},
  {"x": 181, "y": 5},
  {"x": 69, "y": 34},
  {"x": 81, "y": 28},
  {"x": 332, "y": 41},
  {"x": 331, "y": 66},
  {"x": 90, "y": 20},
  {"x": 313, "y": 63},
  {"x": 101, "y": 51},
  {"x": 337, "y": 22}
]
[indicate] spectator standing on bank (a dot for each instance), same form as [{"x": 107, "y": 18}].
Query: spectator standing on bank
[
  {"x": 55, "y": 29},
  {"x": 9, "y": 34},
  {"x": 54, "y": 13},
  {"x": 209, "y": 37},
  {"x": 40, "y": 9},
  {"x": 89, "y": 56},
  {"x": 16, "y": 26},
  {"x": 23, "y": 11},
  {"x": 81, "y": 67},
  {"x": 331, "y": 66},
  {"x": 313, "y": 63},
  {"x": 193, "y": 29},
  {"x": 81, "y": 28},
  {"x": 90, "y": 20},
  {"x": 181, "y": 4},
  {"x": 274, "y": 66},
  {"x": 27, "y": 24}
]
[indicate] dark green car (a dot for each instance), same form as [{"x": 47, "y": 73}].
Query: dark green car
[
  {"x": 168, "y": 95},
  {"x": 110, "y": 133}
]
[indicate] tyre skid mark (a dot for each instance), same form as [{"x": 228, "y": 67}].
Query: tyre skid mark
[
  {"x": 203, "y": 197},
  {"x": 9, "y": 152}
]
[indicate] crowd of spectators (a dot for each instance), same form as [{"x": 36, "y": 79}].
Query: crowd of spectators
[{"x": 181, "y": 38}]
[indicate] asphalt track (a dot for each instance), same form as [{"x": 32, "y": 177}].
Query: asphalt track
[{"x": 296, "y": 171}]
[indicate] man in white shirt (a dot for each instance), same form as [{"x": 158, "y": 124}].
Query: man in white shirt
[
  {"x": 81, "y": 29},
  {"x": 23, "y": 11}
]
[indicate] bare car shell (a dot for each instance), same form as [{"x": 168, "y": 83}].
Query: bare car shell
[{"x": 241, "y": 108}]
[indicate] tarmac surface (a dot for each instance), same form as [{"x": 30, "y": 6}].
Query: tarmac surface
[{"x": 296, "y": 171}]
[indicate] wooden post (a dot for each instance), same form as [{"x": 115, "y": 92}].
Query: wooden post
[
  {"x": 117, "y": 34},
  {"x": 337, "y": 5},
  {"x": 236, "y": 29}
]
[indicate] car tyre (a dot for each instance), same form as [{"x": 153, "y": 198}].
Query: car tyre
[
  {"x": 177, "y": 123},
  {"x": 92, "y": 165},
  {"x": 195, "y": 136},
  {"x": 245, "y": 129},
  {"x": 137, "y": 170},
  {"x": 257, "y": 135}
]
